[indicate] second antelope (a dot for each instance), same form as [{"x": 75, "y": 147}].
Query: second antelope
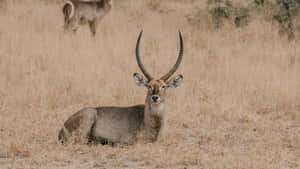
[
  {"x": 111, "y": 125},
  {"x": 78, "y": 12}
]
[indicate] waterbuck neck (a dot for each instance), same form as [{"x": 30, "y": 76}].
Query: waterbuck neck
[{"x": 154, "y": 117}]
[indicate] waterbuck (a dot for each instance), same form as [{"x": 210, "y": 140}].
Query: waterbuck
[
  {"x": 78, "y": 12},
  {"x": 124, "y": 124}
]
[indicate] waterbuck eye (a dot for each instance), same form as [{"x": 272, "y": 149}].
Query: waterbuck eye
[
  {"x": 149, "y": 86},
  {"x": 164, "y": 86}
]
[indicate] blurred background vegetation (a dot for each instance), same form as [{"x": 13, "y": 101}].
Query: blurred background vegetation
[{"x": 282, "y": 13}]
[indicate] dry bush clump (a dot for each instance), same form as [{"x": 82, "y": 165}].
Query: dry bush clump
[
  {"x": 238, "y": 106},
  {"x": 3, "y": 4},
  {"x": 154, "y": 4}
]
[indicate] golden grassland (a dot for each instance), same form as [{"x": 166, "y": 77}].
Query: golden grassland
[{"x": 238, "y": 106}]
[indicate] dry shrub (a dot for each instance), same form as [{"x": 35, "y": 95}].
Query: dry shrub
[
  {"x": 3, "y": 5},
  {"x": 154, "y": 4}
]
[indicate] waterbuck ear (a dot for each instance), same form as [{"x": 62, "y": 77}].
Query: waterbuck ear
[
  {"x": 175, "y": 81},
  {"x": 139, "y": 79}
]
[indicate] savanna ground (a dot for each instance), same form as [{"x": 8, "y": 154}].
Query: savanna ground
[{"x": 238, "y": 106}]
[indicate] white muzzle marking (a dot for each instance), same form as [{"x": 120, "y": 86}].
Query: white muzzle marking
[{"x": 158, "y": 108}]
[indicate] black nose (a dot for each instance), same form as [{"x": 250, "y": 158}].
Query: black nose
[{"x": 155, "y": 98}]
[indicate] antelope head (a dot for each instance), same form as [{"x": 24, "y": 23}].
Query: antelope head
[{"x": 156, "y": 95}]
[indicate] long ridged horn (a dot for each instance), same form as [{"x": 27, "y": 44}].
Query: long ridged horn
[
  {"x": 141, "y": 66},
  {"x": 175, "y": 67}
]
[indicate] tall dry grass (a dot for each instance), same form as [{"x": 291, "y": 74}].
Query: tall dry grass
[{"x": 238, "y": 106}]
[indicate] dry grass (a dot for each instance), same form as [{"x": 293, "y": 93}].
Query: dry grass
[{"x": 238, "y": 106}]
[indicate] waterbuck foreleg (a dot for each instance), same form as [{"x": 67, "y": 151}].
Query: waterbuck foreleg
[{"x": 93, "y": 26}]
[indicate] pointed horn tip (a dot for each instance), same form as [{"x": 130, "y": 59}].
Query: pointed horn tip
[
  {"x": 179, "y": 32},
  {"x": 140, "y": 34}
]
